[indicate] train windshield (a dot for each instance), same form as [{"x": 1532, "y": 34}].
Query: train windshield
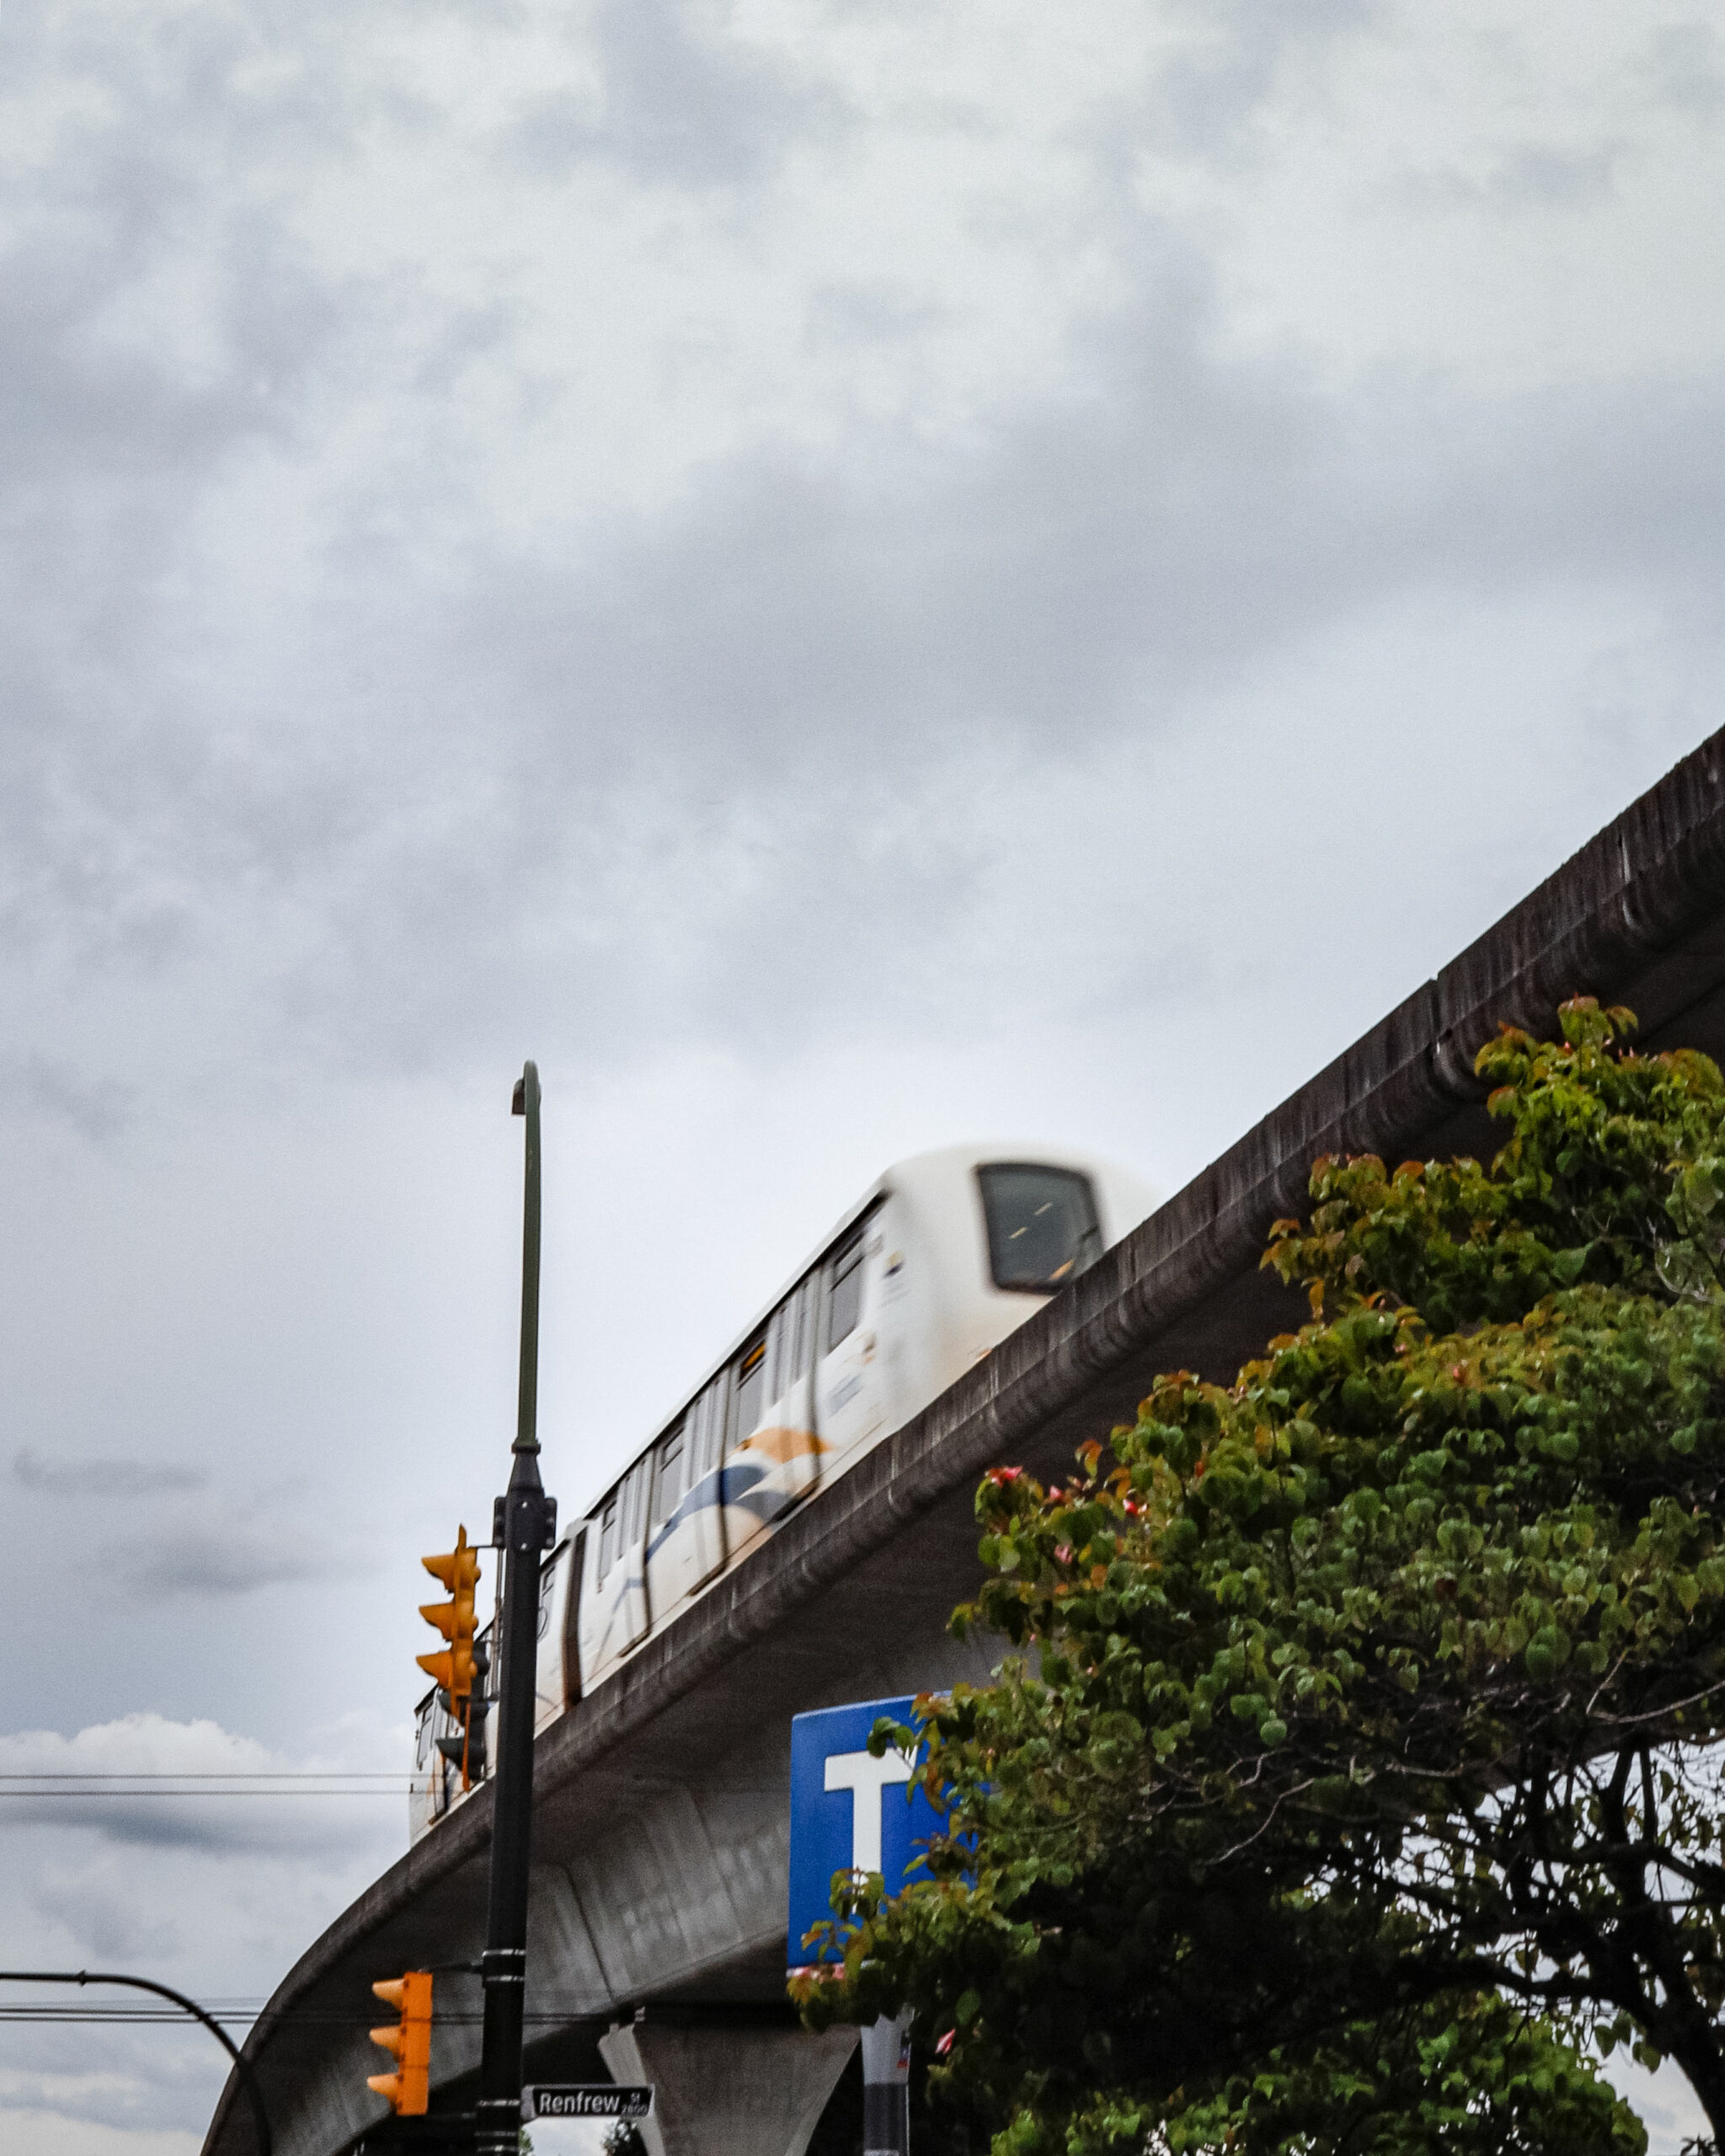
[{"x": 1042, "y": 1226}]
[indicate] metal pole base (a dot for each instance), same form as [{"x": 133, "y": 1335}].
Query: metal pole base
[
  {"x": 886, "y": 2119},
  {"x": 497, "y": 2127},
  {"x": 886, "y": 2087},
  {"x": 450, "y": 2133}
]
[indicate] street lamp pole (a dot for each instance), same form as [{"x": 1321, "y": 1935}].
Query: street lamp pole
[
  {"x": 241, "y": 2065},
  {"x": 524, "y": 1525}
]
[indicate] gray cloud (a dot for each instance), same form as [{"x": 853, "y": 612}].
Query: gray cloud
[
  {"x": 87, "y": 1900},
  {"x": 1207, "y": 97},
  {"x": 209, "y": 1558},
  {"x": 673, "y": 107},
  {"x": 98, "y": 1479},
  {"x": 84, "y": 1892},
  {"x": 765, "y": 726},
  {"x": 1530, "y": 176},
  {"x": 117, "y": 414},
  {"x": 99, "y": 1107},
  {"x": 1684, "y": 69},
  {"x": 759, "y": 714},
  {"x": 758, "y": 710}
]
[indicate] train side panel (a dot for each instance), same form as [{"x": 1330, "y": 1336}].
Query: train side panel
[
  {"x": 614, "y": 1606},
  {"x": 773, "y": 1458},
  {"x": 686, "y": 1545},
  {"x": 550, "y": 1685}
]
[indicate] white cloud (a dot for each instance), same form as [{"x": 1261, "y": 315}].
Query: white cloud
[
  {"x": 31, "y": 2132},
  {"x": 214, "y": 1894},
  {"x": 255, "y": 1807}
]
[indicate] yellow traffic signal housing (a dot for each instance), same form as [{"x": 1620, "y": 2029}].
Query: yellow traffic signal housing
[
  {"x": 458, "y": 1569},
  {"x": 409, "y": 2041}
]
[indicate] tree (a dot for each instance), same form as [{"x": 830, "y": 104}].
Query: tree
[{"x": 1368, "y": 1763}]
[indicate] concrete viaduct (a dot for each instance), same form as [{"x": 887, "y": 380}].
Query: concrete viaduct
[{"x": 661, "y": 1826}]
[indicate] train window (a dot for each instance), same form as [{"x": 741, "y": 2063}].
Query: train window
[
  {"x": 607, "y": 1537},
  {"x": 547, "y": 1582},
  {"x": 707, "y": 1419},
  {"x": 1042, "y": 1226},
  {"x": 751, "y": 1384},
  {"x": 667, "y": 1478},
  {"x": 803, "y": 1307},
  {"x": 845, "y": 1307},
  {"x": 634, "y": 1493},
  {"x": 779, "y": 1331}
]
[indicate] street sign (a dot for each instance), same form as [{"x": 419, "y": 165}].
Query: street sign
[
  {"x": 850, "y": 1812},
  {"x": 586, "y": 2100}
]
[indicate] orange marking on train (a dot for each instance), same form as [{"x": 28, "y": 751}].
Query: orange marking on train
[{"x": 780, "y": 1443}]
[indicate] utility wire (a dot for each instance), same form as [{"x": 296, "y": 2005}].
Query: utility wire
[
  {"x": 37, "y": 2015},
  {"x": 192, "y": 1774},
  {"x": 161, "y": 1783}
]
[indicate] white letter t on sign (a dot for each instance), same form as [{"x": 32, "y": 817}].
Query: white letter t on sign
[{"x": 866, "y": 1779}]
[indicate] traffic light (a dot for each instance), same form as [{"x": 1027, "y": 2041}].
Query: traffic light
[
  {"x": 456, "y": 1666},
  {"x": 409, "y": 2041},
  {"x": 459, "y": 1570}
]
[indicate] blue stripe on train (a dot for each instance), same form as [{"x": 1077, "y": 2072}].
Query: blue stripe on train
[
  {"x": 726, "y": 1486},
  {"x": 736, "y": 1484},
  {"x": 704, "y": 1494}
]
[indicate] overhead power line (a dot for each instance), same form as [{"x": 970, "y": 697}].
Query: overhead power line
[
  {"x": 242, "y": 2017},
  {"x": 287, "y": 1782}
]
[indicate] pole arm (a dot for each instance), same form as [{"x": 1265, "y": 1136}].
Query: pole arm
[{"x": 242, "y": 2065}]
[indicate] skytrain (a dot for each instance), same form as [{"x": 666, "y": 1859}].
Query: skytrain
[{"x": 923, "y": 1276}]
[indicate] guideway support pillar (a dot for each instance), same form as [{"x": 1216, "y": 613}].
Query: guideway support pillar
[{"x": 729, "y": 2091}]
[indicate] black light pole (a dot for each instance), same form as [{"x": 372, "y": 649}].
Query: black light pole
[{"x": 525, "y": 1522}]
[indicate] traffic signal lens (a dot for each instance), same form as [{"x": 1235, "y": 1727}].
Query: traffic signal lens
[{"x": 453, "y": 1670}]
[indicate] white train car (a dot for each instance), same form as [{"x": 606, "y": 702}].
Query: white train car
[{"x": 925, "y": 1275}]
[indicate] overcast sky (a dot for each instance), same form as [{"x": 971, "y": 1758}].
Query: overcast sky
[{"x": 847, "y": 575}]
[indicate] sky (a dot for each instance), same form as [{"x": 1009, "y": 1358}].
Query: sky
[{"x": 847, "y": 577}]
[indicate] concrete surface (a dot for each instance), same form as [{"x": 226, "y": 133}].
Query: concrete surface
[{"x": 724, "y": 2090}]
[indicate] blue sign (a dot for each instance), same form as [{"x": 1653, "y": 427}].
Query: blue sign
[{"x": 850, "y": 1812}]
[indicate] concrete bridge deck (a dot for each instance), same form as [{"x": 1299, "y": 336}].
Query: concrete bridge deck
[{"x": 662, "y": 1809}]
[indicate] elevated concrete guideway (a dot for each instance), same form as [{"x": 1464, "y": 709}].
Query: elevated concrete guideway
[{"x": 661, "y": 1826}]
